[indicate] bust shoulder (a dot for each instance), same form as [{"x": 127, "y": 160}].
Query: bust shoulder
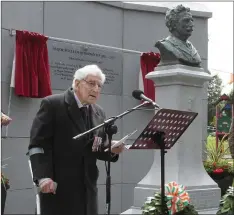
[
  {"x": 178, "y": 51},
  {"x": 160, "y": 43},
  {"x": 166, "y": 54},
  {"x": 164, "y": 44}
]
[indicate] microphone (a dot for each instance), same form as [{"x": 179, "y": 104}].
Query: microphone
[{"x": 139, "y": 95}]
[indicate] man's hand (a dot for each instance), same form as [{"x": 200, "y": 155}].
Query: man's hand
[
  {"x": 119, "y": 149},
  {"x": 5, "y": 120},
  {"x": 48, "y": 186}
]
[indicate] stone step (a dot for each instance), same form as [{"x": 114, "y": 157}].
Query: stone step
[
  {"x": 137, "y": 211},
  {"x": 210, "y": 212}
]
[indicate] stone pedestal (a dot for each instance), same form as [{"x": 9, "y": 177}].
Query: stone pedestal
[{"x": 182, "y": 88}]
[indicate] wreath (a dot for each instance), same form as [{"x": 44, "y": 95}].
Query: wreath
[{"x": 176, "y": 198}]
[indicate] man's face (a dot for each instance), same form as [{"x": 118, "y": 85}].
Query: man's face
[
  {"x": 88, "y": 89},
  {"x": 184, "y": 26}
]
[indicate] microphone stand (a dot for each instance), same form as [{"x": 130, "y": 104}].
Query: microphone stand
[
  {"x": 111, "y": 120},
  {"x": 110, "y": 129}
]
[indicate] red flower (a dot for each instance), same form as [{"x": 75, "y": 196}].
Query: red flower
[{"x": 218, "y": 171}]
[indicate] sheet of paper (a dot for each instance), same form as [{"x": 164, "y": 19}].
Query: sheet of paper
[
  {"x": 122, "y": 140},
  {"x": 127, "y": 146}
]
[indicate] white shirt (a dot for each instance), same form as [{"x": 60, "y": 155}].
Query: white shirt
[{"x": 80, "y": 105}]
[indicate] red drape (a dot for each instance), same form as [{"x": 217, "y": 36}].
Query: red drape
[
  {"x": 149, "y": 61},
  {"x": 32, "y": 73}
]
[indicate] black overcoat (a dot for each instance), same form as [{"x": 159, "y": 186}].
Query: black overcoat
[{"x": 71, "y": 163}]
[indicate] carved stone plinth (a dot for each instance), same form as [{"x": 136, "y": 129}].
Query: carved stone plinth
[{"x": 181, "y": 87}]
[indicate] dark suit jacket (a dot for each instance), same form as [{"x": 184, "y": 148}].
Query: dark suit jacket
[{"x": 71, "y": 163}]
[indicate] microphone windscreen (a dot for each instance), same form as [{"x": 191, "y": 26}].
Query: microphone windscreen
[{"x": 137, "y": 94}]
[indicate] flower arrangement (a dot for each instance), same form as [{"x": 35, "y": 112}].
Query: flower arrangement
[
  {"x": 220, "y": 169},
  {"x": 216, "y": 153},
  {"x": 227, "y": 202},
  {"x": 217, "y": 167},
  {"x": 177, "y": 201},
  {"x": 5, "y": 181}
]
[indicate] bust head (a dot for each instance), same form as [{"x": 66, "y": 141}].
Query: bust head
[
  {"x": 175, "y": 49},
  {"x": 180, "y": 22}
]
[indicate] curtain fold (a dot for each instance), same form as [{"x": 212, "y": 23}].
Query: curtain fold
[
  {"x": 32, "y": 73},
  {"x": 149, "y": 61}
]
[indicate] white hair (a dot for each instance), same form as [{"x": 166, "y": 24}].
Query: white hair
[{"x": 83, "y": 72}]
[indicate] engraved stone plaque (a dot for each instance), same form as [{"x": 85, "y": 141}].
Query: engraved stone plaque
[{"x": 66, "y": 58}]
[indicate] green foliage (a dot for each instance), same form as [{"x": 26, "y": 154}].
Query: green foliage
[
  {"x": 214, "y": 89},
  {"x": 231, "y": 96},
  {"x": 227, "y": 202},
  {"x": 213, "y": 154},
  {"x": 214, "y": 92},
  {"x": 153, "y": 204},
  {"x": 211, "y": 142},
  {"x": 189, "y": 210},
  {"x": 5, "y": 181}
]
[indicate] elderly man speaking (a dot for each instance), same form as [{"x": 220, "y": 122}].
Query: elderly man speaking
[{"x": 57, "y": 158}]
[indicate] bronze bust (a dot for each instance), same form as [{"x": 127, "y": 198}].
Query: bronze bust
[{"x": 176, "y": 49}]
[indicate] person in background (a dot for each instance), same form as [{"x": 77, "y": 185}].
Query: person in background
[
  {"x": 65, "y": 168},
  {"x": 5, "y": 120}
]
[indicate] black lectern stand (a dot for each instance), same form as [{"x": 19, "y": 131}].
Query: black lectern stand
[{"x": 162, "y": 132}]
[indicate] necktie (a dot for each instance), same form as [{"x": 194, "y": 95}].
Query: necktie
[
  {"x": 84, "y": 112},
  {"x": 85, "y": 115}
]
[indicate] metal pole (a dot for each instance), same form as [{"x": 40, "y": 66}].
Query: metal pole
[
  {"x": 92, "y": 44},
  {"x": 216, "y": 133},
  {"x": 13, "y": 32},
  {"x": 38, "y": 203}
]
